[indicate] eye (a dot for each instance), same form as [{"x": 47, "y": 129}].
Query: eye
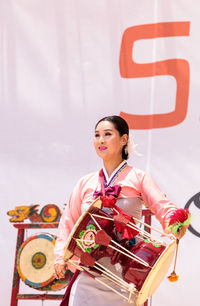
[
  {"x": 108, "y": 134},
  {"x": 96, "y": 135}
]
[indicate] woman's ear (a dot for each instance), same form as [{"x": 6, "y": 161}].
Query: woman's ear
[{"x": 124, "y": 139}]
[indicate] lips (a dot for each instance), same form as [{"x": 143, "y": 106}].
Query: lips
[{"x": 102, "y": 148}]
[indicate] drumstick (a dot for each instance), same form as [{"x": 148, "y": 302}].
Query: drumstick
[
  {"x": 131, "y": 288},
  {"x": 145, "y": 224},
  {"x": 111, "y": 219},
  {"x": 112, "y": 278},
  {"x": 91, "y": 215},
  {"x": 144, "y": 233},
  {"x": 111, "y": 273},
  {"x": 106, "y": 285},
  {"x": 132, "y": 256},
  {"x": 132, "y": 225},
  {"x": 72, "y": 263},
  {"x": 130, "y": 301},
  {"x": 98, "y": 280},
  {"x": 151, "y": 227}
]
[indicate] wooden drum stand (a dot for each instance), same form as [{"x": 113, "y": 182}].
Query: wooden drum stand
[{"x": 15, "y": 296}]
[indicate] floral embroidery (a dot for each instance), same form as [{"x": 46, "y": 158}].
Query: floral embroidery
[{"x": 87, "y": 239}]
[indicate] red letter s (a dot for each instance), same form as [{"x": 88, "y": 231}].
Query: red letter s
[{"x": 178, "y": 68}]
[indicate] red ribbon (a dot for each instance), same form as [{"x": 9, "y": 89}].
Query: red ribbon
[
  {"x": 108, "y": 201},
  {"x": 122, "y": 219},
  {"x": 109, "y": 196}
]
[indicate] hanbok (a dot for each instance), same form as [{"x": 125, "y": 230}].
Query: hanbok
[{"x": 137, "y": 189}]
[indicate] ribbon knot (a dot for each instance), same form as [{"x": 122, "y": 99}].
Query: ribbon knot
[{"x": 113, "y": 191}]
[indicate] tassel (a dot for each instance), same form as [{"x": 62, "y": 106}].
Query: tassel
[{"x": 173, "y": 277}]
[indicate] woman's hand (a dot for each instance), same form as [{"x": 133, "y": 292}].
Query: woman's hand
[
  {"x": 181, "y": 232},
  {"x": 60, "y": 269}
]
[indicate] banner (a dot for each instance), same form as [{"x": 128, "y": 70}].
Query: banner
[{"x": 66, "y": 64}]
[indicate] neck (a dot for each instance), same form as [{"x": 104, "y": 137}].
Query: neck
[{"x": 110, "y": 166}]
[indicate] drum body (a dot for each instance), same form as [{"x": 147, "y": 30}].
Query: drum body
[
  {"x": 35, "y": 263},
  {"x": 133, "y": 271},
  {"x": 147, "y": 279}
]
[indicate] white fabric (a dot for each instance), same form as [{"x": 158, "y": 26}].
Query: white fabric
[{"x": 90, "y": 293}]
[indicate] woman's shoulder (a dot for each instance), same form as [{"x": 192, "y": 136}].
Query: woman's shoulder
[
  {"x": 135, "y": 174},
  {"x": 131, "y": 177},
  {"x": 140, "y": 175},
  {"x": 136, "y": 171}
]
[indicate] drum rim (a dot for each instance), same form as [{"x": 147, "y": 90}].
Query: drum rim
[
  {"x": 52, "y": 239},
  {"x": 140, "y": 299}
]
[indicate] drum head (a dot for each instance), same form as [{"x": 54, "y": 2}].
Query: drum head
[
  {"x": 35, "y": 263},
  {"x": 157, "y": 274},
  {"x": 69, "y": 253}
]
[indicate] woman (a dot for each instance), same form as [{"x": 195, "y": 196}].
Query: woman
[{"x": 136, "y": 187}]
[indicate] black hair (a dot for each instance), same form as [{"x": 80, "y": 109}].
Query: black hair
[{"x": 121, "y": 126}]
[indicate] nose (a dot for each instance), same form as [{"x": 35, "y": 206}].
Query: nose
[{"x": 101, "y": 139}]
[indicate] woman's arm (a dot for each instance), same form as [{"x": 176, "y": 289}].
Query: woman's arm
[
  {"x": 69, "y": 217},
  {"x": 172, "y": 219}
]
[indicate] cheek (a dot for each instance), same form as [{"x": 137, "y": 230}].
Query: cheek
[
  {"x": 116, "y": 143},
  {"x": 117, "y": 146},
  {"x": 95, "y": 143}
]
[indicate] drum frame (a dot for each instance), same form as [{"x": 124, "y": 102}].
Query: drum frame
[
  {"x": 129, "y": 287},
  {"x": 15, "y": 295}
]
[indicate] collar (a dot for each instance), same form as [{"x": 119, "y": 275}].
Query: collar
[{"x": 108, "y": 180}]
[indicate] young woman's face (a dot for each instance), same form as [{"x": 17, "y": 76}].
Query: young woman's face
[{"x": 107, "y": 141}]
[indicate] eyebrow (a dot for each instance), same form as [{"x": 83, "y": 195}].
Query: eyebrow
[{"x": 104, "y": 130}]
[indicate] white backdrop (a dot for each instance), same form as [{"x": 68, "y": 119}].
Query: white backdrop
[{"x": 61, "y": 71}]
